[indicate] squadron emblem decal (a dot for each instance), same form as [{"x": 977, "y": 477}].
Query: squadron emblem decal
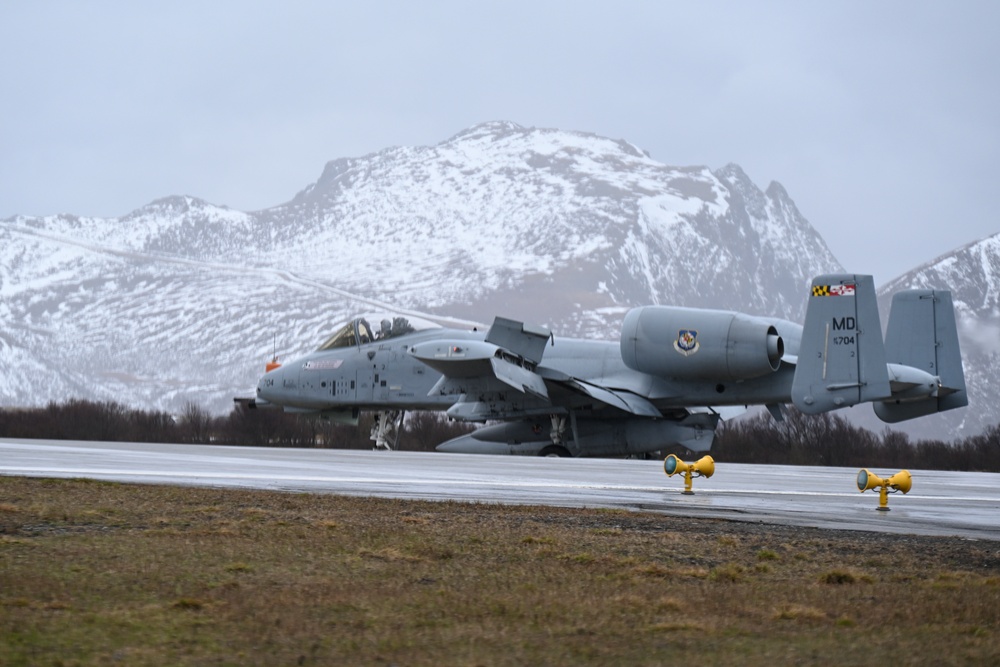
[{"x": 687, "y": 342}]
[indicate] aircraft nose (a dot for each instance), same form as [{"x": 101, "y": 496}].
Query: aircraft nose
[{"x": 268, "y": 385}]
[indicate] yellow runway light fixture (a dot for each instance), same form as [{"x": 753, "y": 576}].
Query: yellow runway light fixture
[
  {"x": 901, "y": 481},
  {"x": 703, "y": 467}
]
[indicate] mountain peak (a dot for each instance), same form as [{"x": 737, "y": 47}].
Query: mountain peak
[
  {"x": 494, "y": 128},
  {"x": 777, "y": 191},
  {"x": 733, "y": 172},
  {"x": 175, "y": 204}
]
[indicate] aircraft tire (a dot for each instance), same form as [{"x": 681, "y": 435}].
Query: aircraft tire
[{"x": 555, "y": 451}]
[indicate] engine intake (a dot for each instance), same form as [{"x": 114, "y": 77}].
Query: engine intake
[{"x": 695, "y": 344}]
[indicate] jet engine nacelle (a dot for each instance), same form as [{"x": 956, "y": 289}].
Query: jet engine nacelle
[{"x": 691, "y": 344}]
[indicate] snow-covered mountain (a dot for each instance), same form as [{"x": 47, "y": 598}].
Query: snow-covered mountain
[{"x": 183, "y": 301}]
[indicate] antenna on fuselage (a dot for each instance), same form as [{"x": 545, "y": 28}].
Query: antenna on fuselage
[{"x": 271, "y": 365}]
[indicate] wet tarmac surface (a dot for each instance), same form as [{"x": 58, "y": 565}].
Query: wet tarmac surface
[{"x": 940, "y": 503}]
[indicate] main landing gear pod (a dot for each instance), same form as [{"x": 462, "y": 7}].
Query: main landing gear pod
[
  {"x": 703, "y": 467},
  {"x": 901, "y": 481}
]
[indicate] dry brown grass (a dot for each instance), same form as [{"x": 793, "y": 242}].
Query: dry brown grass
[{"x": 95, "y": 573}]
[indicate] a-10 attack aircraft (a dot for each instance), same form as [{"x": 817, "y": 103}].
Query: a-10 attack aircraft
[{"x": 663, "y": 383}]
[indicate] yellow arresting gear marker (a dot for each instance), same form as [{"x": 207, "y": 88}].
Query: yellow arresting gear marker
[
  {"x": 901, "y": 481},
  {"x": 703, "y": 467}
]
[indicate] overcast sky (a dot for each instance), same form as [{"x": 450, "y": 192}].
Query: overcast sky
[{"x": 881, "y": 119}]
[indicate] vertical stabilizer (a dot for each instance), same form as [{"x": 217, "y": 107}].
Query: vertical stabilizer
[
  {"x": 922, "y": 334},
  {"x": 841, "y": 358}
]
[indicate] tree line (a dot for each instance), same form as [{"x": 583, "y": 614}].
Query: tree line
[
  {"x": 828, "y": 439},
  {"x": 113, "y": 422},
  {"x": 820, "y": 440}
]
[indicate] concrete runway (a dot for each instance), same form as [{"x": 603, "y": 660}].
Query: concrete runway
[{"x": 965, "y": 505}]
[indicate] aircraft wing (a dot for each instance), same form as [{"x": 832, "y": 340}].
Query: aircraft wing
[
  {"x": 473, "y": 367},
  {"x": 625, "y": 401},
  {"x": 509, "y": 358}
]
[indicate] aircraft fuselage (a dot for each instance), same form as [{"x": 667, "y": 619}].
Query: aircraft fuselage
[{"x": 384, "y": 375}]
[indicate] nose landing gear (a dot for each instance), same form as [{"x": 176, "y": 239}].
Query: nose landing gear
[{"x": 385, "y": 429}]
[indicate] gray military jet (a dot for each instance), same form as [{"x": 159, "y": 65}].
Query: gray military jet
[{"x": 665, "y": 382}]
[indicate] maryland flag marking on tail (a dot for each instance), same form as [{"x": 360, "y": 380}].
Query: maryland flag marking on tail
[{"x": 833, "y": 290}]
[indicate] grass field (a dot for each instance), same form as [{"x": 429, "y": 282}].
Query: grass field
[{"x": 95, "y": 573}]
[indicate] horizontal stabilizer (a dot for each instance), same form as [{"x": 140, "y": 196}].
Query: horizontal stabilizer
[{"x": 922, "y": 335}]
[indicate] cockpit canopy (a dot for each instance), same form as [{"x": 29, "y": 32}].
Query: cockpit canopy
[{"x": 374, "y": 327}]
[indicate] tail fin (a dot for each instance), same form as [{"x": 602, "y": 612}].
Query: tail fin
[
  {"x": 922, "y": 334},
  {"x": 841, "y": 358}
]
